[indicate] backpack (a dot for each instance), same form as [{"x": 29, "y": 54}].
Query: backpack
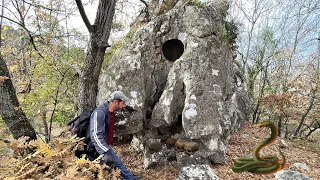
[{"x": 80, "y": 124}]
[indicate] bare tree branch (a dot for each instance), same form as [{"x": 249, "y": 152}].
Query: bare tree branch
[
  {"x": 145, "y": 3},
  {"x": 55, "y": 103},
  {"x": 84, "y": 16},
  {"x": 9, "y": 10},
  {"x": 1, "y": 24},
  {"x": 21, "y": 24},
  {"x": 38, "y": 5},
  {"x": 16, "y": 22}
]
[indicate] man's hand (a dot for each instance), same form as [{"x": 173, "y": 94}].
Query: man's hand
[
  {"x": 108, "y": 159},
  {"x": 130, "y": 109}
]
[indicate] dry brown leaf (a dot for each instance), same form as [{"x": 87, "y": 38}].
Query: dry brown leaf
[
  {"x": 3, "y": 78},
  {"x": 17, "y": 108},
  {"x": 115, "y": 174}
]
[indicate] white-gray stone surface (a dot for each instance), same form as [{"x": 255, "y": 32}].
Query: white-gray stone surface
[
  {"x": 302, "y": 165},
  {"x": 197, "y": 172},
  {"x": 199, "y": 97},
  {"x": 291, "y": 175}
]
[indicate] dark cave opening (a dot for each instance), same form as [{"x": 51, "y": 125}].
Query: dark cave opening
[
  {"x": 149, "y": 111},
  {"x": 177, "y": 127},
  {"x": 172, "y": 49},
  {"x": 148, "y": 114}
]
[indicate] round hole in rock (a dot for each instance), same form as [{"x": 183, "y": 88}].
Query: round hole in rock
[{"x": 172, "y": 49}]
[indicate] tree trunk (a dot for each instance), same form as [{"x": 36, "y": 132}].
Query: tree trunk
[
  {"x": 304, "y": 116},
  {"x": 45, "y": 125},
  {"x": 10, "y": 110},
  {"x": 88, "y": 82},
  {"x": 280, "y": 126},
  {"x": 99, "y": 35}
]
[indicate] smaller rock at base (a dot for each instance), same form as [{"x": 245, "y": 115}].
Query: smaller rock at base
[
  {"x": 290, "y": 175},
  {"x": 197, "y": 171}
]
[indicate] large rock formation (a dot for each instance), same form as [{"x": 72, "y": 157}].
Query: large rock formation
[{"x": 178, "y": 70}]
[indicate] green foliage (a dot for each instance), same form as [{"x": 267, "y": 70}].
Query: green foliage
[
  {"x": 130, "y": 34},
  {"x": 62, "y": 117},
  {"x": 228, "y": 33},
  {"x": 223, "y": 34},
  {"x": 231, "y": 31},
  {"x": 43, "y": 83}
]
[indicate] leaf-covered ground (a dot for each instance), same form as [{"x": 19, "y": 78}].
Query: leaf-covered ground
[{"x": 240, "y": 144}]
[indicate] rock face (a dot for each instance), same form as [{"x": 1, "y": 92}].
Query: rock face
[
  {"x": 200, "y": 172},
  {"x": 179, "y": 74}
]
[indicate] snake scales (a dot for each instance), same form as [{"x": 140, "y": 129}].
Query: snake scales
[{"x": 261, "y": 164}]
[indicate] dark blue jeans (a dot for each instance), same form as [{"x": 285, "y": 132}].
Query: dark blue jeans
[{"x": 127, "y": 175}]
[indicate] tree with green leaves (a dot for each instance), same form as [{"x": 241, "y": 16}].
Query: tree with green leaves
[
  {"x": 10, "y": 110},
  {"x": 38, "y": 55}
]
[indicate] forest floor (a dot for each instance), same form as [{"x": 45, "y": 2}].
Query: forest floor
[{"x": 240, "y": 144}]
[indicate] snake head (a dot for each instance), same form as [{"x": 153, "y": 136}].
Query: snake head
[
  {"x": 264, "y": 124},
  {"x": 261, "y": 125}
]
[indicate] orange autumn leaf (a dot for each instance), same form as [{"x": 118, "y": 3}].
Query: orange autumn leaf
[{"x": 17, "y": 108}]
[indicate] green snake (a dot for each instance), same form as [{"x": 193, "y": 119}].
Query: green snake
[{"x": 261, "y": 164}]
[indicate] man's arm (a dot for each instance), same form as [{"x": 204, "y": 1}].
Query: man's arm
[{"x": 97, "y": 130}]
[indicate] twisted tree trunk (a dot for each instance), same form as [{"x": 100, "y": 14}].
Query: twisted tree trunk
[{"x": 10, "y": 110}]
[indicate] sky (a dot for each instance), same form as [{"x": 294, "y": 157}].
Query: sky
[{"x": 125, "y": 13}]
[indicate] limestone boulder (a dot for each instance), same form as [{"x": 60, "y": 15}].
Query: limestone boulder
[{"x": 178, "y": 71}]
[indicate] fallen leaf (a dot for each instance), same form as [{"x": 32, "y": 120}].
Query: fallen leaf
[
  {"x": 115, "y": 174},
  {"x": 3, "y": 78},
  {"x": 17, "y": 108}
]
